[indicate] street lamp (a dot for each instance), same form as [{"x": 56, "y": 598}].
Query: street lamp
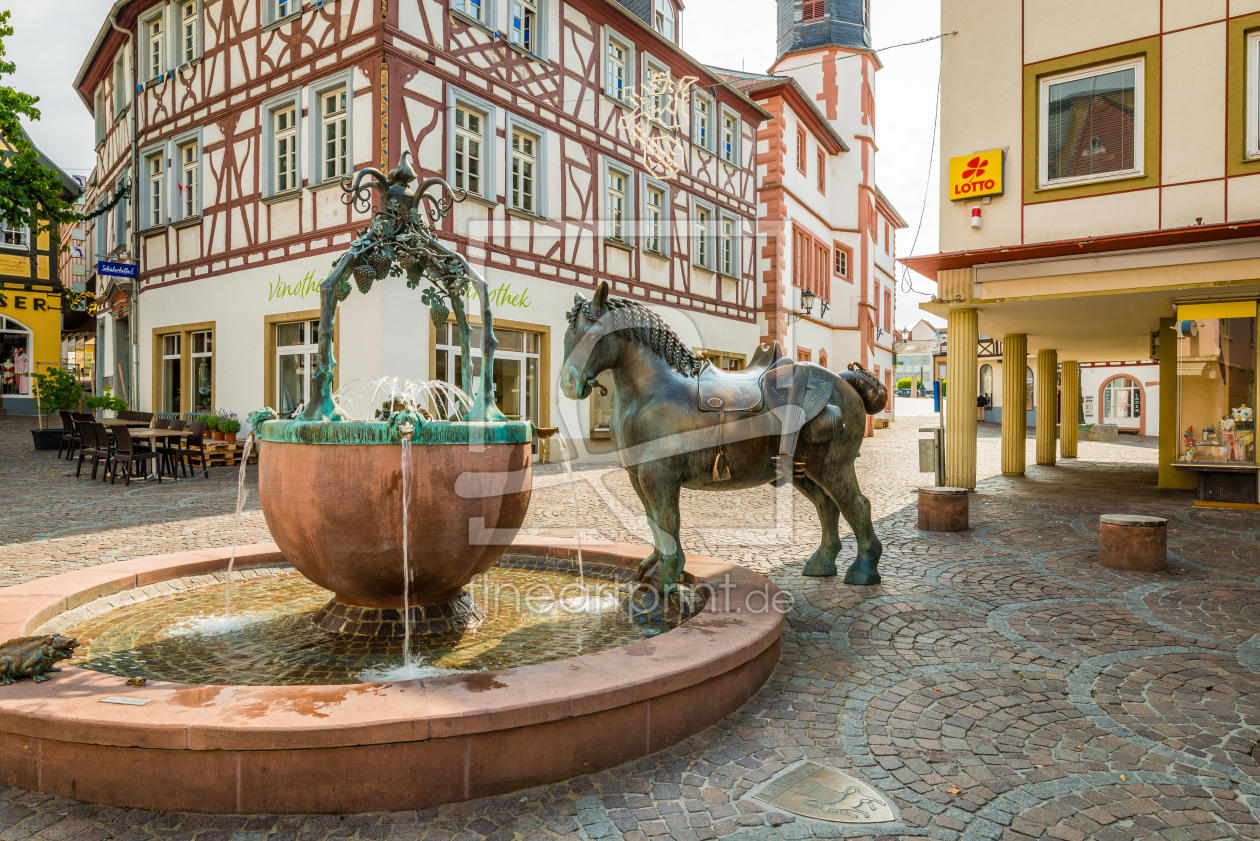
[{"x": 807, "y": 304}]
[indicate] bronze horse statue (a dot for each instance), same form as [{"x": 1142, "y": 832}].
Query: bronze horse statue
[{"x": 678, "y": 422}]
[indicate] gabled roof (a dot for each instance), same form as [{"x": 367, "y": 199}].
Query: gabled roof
[
  {"x": 759, "y": 86},
  {"x": 70, "y": 188},
  {"x": 885, "y": 206}
]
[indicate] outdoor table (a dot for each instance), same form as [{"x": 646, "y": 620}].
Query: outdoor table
[
  {"x": 152, "y": 435},
  {"x": 127, "y": 423}
]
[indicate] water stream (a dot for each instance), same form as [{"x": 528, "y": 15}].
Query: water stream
[
  {"x": 406, "y": 502},
  {"x": 567, "y": 461},
  {"x": 241, "y": 494}
]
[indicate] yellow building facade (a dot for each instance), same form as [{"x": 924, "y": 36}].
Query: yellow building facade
[
  {"x": 1128, "y": 227},
  {"x": 30, "y": 306}
]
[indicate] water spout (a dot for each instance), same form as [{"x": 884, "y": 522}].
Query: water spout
[
  {"x": 407, "y": 430},
  {"x": 567, "y": 461},
  {"x": 241, "y": 494}
]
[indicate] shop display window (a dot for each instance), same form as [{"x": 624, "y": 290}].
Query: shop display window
[
  {"x": 1216, "y": 387},
  {"x": 15, "y": 357}
]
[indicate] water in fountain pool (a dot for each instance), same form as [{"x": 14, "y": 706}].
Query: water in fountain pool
[
  {"x": 241, "y": 494},
  {"x": 271, "y": 639}
]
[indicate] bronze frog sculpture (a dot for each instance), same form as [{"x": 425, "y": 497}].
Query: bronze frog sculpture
[{"x": 33, "y": 657}]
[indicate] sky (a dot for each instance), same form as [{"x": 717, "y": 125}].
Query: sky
[{"x": 52, "y": 37}]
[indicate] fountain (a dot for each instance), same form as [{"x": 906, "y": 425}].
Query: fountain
[{"x": 399, "y": 622}]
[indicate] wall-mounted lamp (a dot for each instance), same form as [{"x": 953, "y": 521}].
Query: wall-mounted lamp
[{"x": 807, "y": 305}]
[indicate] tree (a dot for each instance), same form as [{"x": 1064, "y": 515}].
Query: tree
[
  {"x": 30, "y": 193},
  {"x": 903, "y": 383}
]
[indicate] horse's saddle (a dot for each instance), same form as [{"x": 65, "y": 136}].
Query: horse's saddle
[{"x": 770, "y": 381}]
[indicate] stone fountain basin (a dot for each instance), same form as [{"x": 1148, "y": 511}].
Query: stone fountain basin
[
  {"x": 331, "y": 494},
  {"x": 369, "y": 747}
]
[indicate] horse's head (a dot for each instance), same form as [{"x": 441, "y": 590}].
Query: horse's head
[{"x": 586, "y": 355}]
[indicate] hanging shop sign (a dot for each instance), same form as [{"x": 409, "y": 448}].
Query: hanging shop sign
[
  {"x": 975, "y": 176},
  {"x": 108, "y": 268}
]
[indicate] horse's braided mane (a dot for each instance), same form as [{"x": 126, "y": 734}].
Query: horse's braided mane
[{"x": 649, "y": 328}]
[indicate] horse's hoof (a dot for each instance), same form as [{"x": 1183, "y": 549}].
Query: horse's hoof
[
  {"x": 861, "y": 578},
  {"x": 819, "y": 568}
]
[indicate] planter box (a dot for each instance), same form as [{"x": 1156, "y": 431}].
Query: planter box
[{"x": 46, "y": 439}]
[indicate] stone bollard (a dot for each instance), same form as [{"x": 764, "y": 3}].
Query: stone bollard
[
  {"x": 1133, "y": 543},
  {"x": 943, "y": 509}
]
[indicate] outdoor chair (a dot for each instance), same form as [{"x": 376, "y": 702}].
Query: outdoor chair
[
  {"x": 195, "y": 446},
  {"x": 125, "y": 453},
  {"x": 102, "y": 449},
  {"x": 161, "y": 423},
  {"x": 147, "y": 417},
  {"x": 69, "y": 436},
  {"x": 88, "y": 447}
]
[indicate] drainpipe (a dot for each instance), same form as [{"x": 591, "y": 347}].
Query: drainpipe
[{"x": 134, "y": 218}]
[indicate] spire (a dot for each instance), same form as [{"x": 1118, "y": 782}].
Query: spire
[{"x": 811, "y": 24}]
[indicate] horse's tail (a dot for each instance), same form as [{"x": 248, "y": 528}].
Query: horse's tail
[{"x": 873, "y": 393}]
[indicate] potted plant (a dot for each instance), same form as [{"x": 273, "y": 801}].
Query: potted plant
[
  {"x": 212, "y": 425},
  {"x": 107, "y": 403},
  {"x": 229, "y": 426},
  {"x": 56, "y": 390}
]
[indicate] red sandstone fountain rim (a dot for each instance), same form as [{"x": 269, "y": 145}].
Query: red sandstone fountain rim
[{"x": 724, "y": 639}]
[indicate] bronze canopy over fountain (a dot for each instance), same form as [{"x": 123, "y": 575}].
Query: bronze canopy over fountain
[{"x": 330, "y": 486}]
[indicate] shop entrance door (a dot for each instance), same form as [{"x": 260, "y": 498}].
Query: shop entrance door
[{"x": 1122, "y": 403}]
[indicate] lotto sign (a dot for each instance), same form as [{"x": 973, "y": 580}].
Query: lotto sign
[{"x": 975, "y": 176}]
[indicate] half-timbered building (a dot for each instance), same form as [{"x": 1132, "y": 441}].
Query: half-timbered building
[
  {"x": 826, "y": 227},
  {"x": 233, "y": 122}
]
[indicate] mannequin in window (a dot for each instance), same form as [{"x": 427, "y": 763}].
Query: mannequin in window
[
  {"x": 21, "y": 365},
  {"x": 8, "y": 382}
]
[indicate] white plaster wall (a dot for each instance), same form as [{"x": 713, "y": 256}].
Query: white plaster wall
[
  {"x": 1182, "y": 13},
  {"x": 1244, "y": 197},
  {"x": 1193, "y": 104},
  {"x": 1071, "y": 26},
  {"x": 981, "y": 108},
  {"x": 1092, "y": 380},
  {"x": 1185, "y": 203},
  {"x": 1137, "y": 210},
  {"x": 1242, "y": 7}
]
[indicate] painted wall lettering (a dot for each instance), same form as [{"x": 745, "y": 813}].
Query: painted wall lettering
[
  {"x": 502, "y": 296},
  {"x": 306, "y": 286}
]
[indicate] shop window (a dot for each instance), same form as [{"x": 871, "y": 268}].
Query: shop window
[
  {"x": 297, "y": 349},
  {"x": 986, "y": 383},
  {"x": 15, "y": 357},
  {"x": 1216, "y": 383},
  {"x": 172, "y": 374},
  {"x": 1029, "y": 401},
  {"x": 1091, "y": 124},
  {"x": 202, "y": 371},
  {"x": 517, "y": 368}
]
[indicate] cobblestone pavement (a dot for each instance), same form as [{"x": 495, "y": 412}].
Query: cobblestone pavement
[{"x": 998, "y": 685}]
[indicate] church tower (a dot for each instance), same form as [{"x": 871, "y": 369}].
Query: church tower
[{"x": 811, "y": 24}]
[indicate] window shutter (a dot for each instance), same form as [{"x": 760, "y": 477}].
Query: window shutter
[{"x": 812, "y": 10}]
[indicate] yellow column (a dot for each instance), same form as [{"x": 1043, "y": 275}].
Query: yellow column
[
  {"x": 1014, "y": 419},
  {"x": 960, "y": 399},
  {"x": 1047, "y": 404},
  {"x": 1071, "y": 409}
]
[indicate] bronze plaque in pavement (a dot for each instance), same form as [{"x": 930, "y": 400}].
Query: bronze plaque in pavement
[{"x": 814, "y": 791}]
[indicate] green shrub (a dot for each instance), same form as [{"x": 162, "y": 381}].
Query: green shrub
[
  {"x": 58, "y": 390},
  {"x": 212, "y": 421},
  {"x": 904, "y": 382},
  {"x": 229, "y": 426},
  {"x": 107, "y": 401}
]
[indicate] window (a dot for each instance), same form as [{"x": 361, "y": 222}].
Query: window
[
  {"x": 887, "y": 238},
  {"x": 728, "y": 255},
  {"x": 284, "y": 148},
  {"x": 13, "y": 237},
  {"x": 121, "y": 88},
  {"x": 98, "y": 225},
  {"x": 730, "y": 138},
  {"x": 473, "y": 8},
  {"x": 297, "y": 349},
  {"x": 1029, "y": 394},
  {"x": 812, "y": 10},
  {"x": 1091, "y": 124},
  {"x": 172, "y": 374},
  {"x": 280, "y": 9},
  {"x": 1216, "y": 384},
  {"x": 1253, "y": 95},
  {"x": 702, "y": 122},
  {"x": 655, "y": 200},
  {"x": 615, "y": 210},
  {"x": 800, "y": 149},
  {"x": 803, "y": 354},
  {"x": 811, "y": 261},
  {"x": 524, "y": 171},
  {"x": 842, "y": 257},
  {"x": 189, "y": 184},
  {"x": 155, "y": 41},
  {"x": 189, "y": 36},
  {"x": 618, "y": 65},
  {"x": 702, "y": 231},
  {"x": 663, "y": 20},
  {"x": 333, "y": 142},
  {"x": 120, "y": 212},
  {"x": 98, "y": 111},
  {"x": 155, "y": 173},
  {"x": 518, "y": 374},
  {"x": 471, "y": 128},
  {"x": 888, "y": 309},
  {"x": 822, "y": 171},
  {"x": 525, "y": 25},
  {"x": 656, "y": 72},
  {"x": 986, "y": 383},
  {"x": 202, "y": 371},
  {"x": 15, "y": 357}
]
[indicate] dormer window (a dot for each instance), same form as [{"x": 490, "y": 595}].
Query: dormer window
[
  {"x": 663, "y": 20},
  {"x": 812, "y": 10}
]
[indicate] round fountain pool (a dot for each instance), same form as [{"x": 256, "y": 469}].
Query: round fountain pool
[
  {"x": 528, "y": 610},
  {"x": 211, "y": 739}
]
